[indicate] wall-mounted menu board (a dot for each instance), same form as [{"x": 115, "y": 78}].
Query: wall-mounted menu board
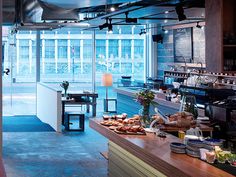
[{"x": 183, "y": 45}]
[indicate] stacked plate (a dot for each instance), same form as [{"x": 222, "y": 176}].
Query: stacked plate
[
  {"x": 178, "y": 148},
  {"x": 213, "y": 142},
  {"x": 193, "y": 148}
]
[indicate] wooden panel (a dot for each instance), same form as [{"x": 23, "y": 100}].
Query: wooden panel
[
  {"x": 155, "y": 152},
  {"x": 214, "y": 35},
  {"x": 129, "y": 164},
  {"x": 229, "y": 16}
]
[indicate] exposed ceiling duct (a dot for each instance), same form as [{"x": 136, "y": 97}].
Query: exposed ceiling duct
[{"x": 53, "y": 12}]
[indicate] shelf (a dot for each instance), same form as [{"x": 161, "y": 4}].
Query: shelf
[
  {"x": 229, "y": 45},
  {"x": 215, "y": 75},
  {"x": 182, "y": 72},
  {"x": 180, "y": 77}
]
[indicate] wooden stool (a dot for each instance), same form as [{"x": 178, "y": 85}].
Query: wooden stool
[{"x": 68, "y": 122}]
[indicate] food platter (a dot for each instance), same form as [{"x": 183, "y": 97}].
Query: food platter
[{"x": 129, "y": 133}]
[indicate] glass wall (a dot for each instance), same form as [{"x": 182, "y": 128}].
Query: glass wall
[
  {"x": 19, "y": 88},
  {"x": 120, "y": 53},
  {"x": 67, "y": 54}
]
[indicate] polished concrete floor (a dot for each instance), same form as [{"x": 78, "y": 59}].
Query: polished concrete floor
[{"x": 51, "y": 154}]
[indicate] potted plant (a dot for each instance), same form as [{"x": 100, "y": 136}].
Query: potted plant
[
  {"x": 65, "y": 85},
  {"x": 145, "y": 98}
]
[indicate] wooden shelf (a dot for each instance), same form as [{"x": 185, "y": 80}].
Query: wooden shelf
[{"x": 229, "y": 45}]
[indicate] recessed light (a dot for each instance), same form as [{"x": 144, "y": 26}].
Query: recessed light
[
  {"x": 165, "y": 21},
  {"x": 112, "y": 9},
  {"x": 166, "y": 12}
]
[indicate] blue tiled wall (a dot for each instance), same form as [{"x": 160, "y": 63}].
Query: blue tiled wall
[{"x": 165, "y": 53}]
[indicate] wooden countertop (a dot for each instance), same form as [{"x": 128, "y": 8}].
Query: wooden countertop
[{"x": 156, "y": 152}]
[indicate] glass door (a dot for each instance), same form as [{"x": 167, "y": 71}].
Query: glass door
[
  {"x": 7, "y": 80},
  {"x": 19, "y": 87}
]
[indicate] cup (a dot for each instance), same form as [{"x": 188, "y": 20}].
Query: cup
[
  {"x": 203, "y": 153},
  {"x": 210, "y": 157},
  {"x": 181, "y": 134}
]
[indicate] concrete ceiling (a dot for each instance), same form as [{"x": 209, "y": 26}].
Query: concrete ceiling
[{"x": 94, "y": 12}]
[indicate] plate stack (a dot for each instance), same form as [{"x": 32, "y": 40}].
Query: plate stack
[
  {"x": 213, "y": 142},
  {"x": 193, "y": 148},
  {"x": 178, "y": 148}
]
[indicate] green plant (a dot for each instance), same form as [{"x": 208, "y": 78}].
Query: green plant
[
  {"x": 65, "y": 85},
  {"x": 145, "y": 97}
]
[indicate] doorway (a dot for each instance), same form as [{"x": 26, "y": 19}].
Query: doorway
[{"x": 19, "y": 86}]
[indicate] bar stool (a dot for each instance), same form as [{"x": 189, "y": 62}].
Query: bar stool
[{"x": 69, "y": 121}]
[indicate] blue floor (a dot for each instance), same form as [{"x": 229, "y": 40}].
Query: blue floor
[
  {"x": 51, "y": 154},
  {"x": 24, "y": 124}
]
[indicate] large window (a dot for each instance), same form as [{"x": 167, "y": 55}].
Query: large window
[{"x": 67, "y": 54}]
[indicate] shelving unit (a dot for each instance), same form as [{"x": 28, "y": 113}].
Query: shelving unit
[
  {"x": 220, "y": 77},
  {"x": 221, "y": 35},
  {"x": 176, "y": 75}
]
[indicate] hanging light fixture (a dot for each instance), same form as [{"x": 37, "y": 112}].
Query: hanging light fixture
[
  {"x": 130, "y": 20},
  {"x": 110, "y": 30},
  {"x": 105, "y": 25},
  {"x": 180, "y": 12}
]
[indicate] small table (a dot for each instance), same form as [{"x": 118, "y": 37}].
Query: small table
[{"x": 86, "y": 101}]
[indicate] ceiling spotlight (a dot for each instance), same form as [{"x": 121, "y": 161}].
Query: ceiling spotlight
[
  {"x": 166, "y": 12},
  {"x": 165, "y": 31},
  {"x": 130, "y": 20},
  {"x": 112, "y": 9},
  {"x": 143, "y": 31},
  {"x": 180, "y": 12},
  {"x": 105, "y": 25},
  {"x": 199, "y": 26},
  {"x": 110, "y": 30},
  {"x": 165, "y": 21}
]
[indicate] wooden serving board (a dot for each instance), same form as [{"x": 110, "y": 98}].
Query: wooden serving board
[
  {"x": 105, "y": 124},
  {"x": 129, "y": 133}
]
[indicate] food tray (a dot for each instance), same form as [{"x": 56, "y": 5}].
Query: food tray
[
  {"x": 129, "y": 133},
  {"x": 104, "y": 124}
]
